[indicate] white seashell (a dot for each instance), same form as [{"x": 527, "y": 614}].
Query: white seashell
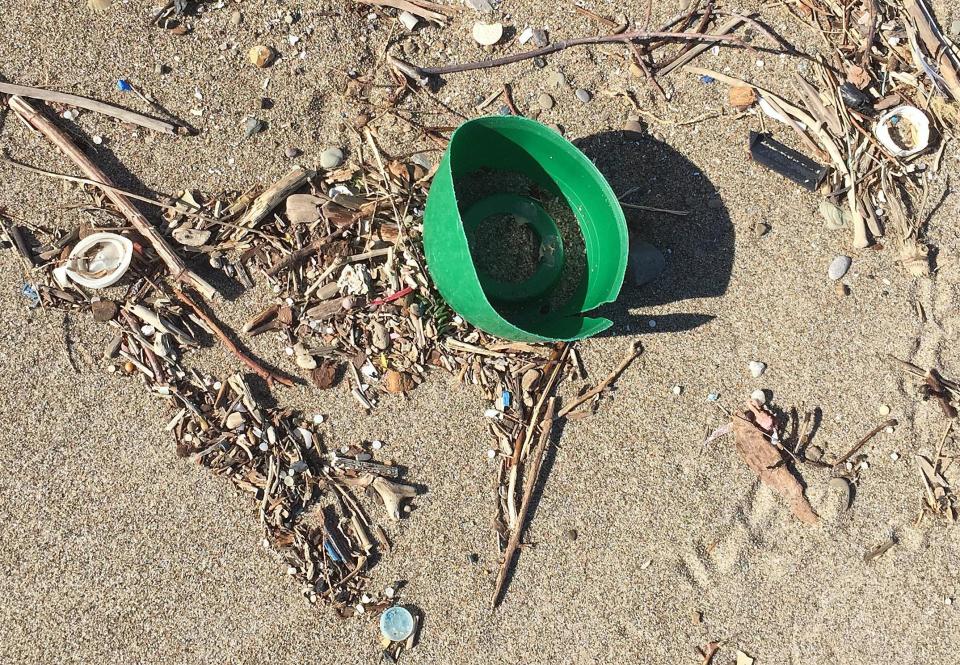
[
  {"x": 487, "y": 34},
  {"x": 757, "y": 368}
]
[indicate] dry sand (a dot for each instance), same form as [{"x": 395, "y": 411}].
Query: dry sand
[{"x": 113, "y": 550}]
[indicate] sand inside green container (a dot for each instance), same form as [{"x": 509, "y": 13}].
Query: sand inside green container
[{"x": 510, "y": 250}]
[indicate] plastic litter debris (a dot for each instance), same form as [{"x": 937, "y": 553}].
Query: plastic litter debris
[
  {"x": 124, "y": 86},
  {"x": 527, "y": 147},
  {"x": 29, "y": 292},
  {"x": 915, "y": 132},
  {"x": 786, "y": 161},
  {"x": 396, "y": 623},
  {"x": 854, "y": 97}
]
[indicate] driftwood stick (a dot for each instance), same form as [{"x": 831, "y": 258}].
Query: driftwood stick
[
  {"x": 422, "y": 73},
  {"x": 530, "y": 482},
  {"x": 89, "y": 104},
  {"x": 271, "y": 198},
  {"x": 603, "y": 385},
  {"x": 265, "y": 373},
  {"x": 178, "y": 269}
]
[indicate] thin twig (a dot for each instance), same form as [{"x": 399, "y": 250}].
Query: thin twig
[
  {"x": 530, "y": 482},
  {"x": 892, "y": 422},
  {"x": 262, "y": 371},
  {"x": 88, "y": 181},
  {"x": 424, "y": 72},
  {"x": 603, "y": 385},
  {"x": 89, "y": 104}
]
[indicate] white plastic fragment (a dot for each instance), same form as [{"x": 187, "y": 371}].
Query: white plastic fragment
[
  {"x": 408, "y": 20},
  {"x": 918, "y": 125}
]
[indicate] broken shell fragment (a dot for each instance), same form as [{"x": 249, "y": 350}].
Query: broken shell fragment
[
  {"x": 487, "y": 34},
  {"x": 234, "y": 420},
  {"x": 912, "y": 129},
  {"x": 303, "y": 208},
  {"x": 191, "y": 237}
]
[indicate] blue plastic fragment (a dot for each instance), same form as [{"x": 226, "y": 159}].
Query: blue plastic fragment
[
  {"x": 331, "y": 551},
  {"x": 707, "y": 79},
  {"x": 30, "y": 293},
  {"x": 713, "y": 397},
  {"x": 124, "y": 86},
  {"x": 505, "y": 399}
]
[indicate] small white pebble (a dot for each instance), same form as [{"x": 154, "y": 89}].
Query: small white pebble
[
  {"x": 677, "y": 390},
  {"x": 646, "y": 564},
  {"x": 491, "y": 453},
  {"x": 757, "y": 368},
  {"x": 849, "y": 466},
  {"x": 365, "y": 598},
  {"x": 289, "y": 301},
  {"x": 759, "y": 396},
  {"x": 864, "y": 465},
  {"x": 289, "y": 350},
  {"x": 376, "y": 445},
  {"x": 291, "y": 570},
  {"x": 492, "y": 413},
  {"x": 318, "y": 418},
  {"x": 389, "y": 592},
  {"x": 889, "y": 430},
  {"x": 894, "y": 456},
  {"x": 360, "y": 609},
  {"x": 759, "y": 64},
  {"x": 265, "y": 543},
  {"x": 264, "y": 446},
  {"x": 948, "y": 600},
  {"x": 884, "y": 410},
  {"x": 217, "y": 385},
  {"x": 98, "y": 140},
  {"x": 147, "y": 330}
]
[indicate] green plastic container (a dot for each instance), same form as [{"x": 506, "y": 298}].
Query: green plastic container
[{"x": 538, "y": 153}]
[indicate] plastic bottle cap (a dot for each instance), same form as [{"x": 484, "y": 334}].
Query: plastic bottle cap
[{"x": 396, "y": 623}]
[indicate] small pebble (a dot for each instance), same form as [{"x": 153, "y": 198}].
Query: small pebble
[
  {"x": 955, "y": 28},
  {"x": 487, "y": 34},
  {"x": 757, "y": 368},
  {"x": 236, "y": 18},
  {"x": 633, "y": 126},
  {"x": 839, "y": 267},
  {"x": 842, "y": 289},
  {"x": 760, "y": 229},
  {"x": 677, "y": 390},
  {"x": 814, "y": 453},
  {"x": 948, "y": 601},
  {"x": 389, "y": 592},
  {"x": 318, "y": 418},
  {"x": 884, "y": 410},
  {"x": 713, "y": 397},
  {"x": 894, "y": 456},
  {"x": 260, "y": 56},
  {"x": 545, "y": 102},
  {"x": 539, "y": 62},
  {"x": 491, "y": 453},
  {"x": 504, "y": 110},
  {"x": 889, "y": 430},
  {"x": 376, "y": 444},
  {"x": 759, "y": 396},
  {"x": 331, "y": 158},
  {"x": 571, "y": 534},
  {"x": 98, "y": 140},
  {"x": 292, "y": 153},
  {"x": 556, "y": 79},
  {"x": 584, "y": 95}
]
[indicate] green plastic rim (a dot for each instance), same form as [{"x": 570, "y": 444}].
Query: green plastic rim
[
  {"x": 523, "y": 146},
  {"x": 526, "y": 211}
]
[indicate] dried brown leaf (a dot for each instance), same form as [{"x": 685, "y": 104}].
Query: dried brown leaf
[
  {"x": 767, "y": 462},
  {"x": 324, "y": 375}
]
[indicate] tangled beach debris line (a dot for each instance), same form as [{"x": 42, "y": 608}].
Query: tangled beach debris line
[{"x": 340, "y": 251}]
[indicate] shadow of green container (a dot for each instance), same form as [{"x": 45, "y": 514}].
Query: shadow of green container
[{"x": 520, "y": 311}]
